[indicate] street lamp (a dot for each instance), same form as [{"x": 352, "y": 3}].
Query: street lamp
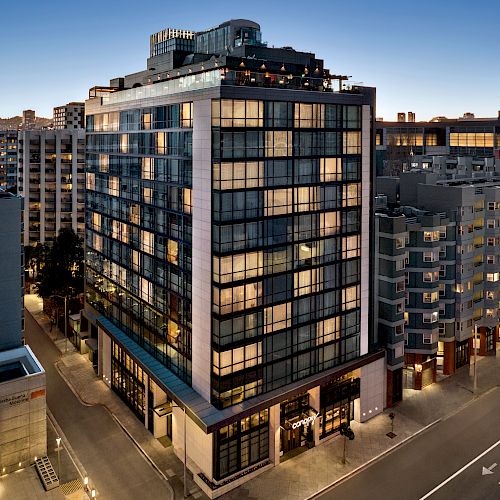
[
  {"x": 475, "y": 360},
  {"x": 58, "y": 441}
]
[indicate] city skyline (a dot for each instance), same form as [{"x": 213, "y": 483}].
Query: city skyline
[{"x": 377, "y": 45}]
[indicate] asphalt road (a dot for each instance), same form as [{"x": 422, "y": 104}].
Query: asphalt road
[
  {"x": 113, "y": 464},
  {"x": 437, "y": 464}
]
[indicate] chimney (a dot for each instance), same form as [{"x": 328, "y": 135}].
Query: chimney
[
  {"x": 401, "y": 117},
  {"x": 411, "y": 116}
]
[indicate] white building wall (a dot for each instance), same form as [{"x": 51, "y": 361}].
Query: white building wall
[
  {"x": 372, "y": 391},
  {"x": 198, "y": 444},
  {"x": 202, "y": 248},
  {"x": 104, "y": 360},
  {"x": 23, "y": 427},
  {"x": 366, "y": 151}
]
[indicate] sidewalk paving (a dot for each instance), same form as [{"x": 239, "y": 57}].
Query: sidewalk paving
[{"x": 306, "y": 474}]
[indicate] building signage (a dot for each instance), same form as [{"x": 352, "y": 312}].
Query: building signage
[
  {"x": 14, "y": 399},
  {"x": 305, "y": 421}
]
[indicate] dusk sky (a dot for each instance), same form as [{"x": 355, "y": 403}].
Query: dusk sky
[{"x": 430, "y": 57}]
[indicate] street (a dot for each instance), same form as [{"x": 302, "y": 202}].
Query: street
[
  {"x": 114, "y": 465},
  {"x": 446, "y": 462}
]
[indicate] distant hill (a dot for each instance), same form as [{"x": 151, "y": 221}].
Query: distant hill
[{"x": 16, "y": 121}]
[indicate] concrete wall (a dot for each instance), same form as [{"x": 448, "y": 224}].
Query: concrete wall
[
  {"x": 372, "y": 391},
  {"x": 23, "y": 429},
  {"x": 198, "y": 445},
  {"x": 11, "y": 273},
  {"x": 104, "y": 368}
]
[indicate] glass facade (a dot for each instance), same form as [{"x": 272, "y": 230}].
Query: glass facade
[
  {"x": 128, "y": 381},
  {"x": 286, "y": 243},
  {"x": 241, "y": 444},
  {"x": 138, "y": 221}
]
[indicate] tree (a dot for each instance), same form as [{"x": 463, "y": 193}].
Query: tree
[
  {"x": 35, "y": 257},
  {"x": 62, "y": 273}
]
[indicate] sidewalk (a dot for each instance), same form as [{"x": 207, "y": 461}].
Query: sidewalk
[
  {"x": 91, "y": 390},
  {"x": 306, "y": 474}
]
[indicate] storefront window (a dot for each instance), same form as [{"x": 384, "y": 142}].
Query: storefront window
[
  {"x": 241, "y": 444},
  {"x": 127, "y": 379},
  {"x": 337, "y": 404}
]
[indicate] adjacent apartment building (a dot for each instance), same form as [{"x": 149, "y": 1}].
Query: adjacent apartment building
[
  {"x": 51, "y": 179},
  {"x": 228, "y": 207},
  {"x": 397, "y": 142},
  {"x": 8, "y": 159},
  {"x": 438, "y": 268},
  {"x": 69, "y": 116}
]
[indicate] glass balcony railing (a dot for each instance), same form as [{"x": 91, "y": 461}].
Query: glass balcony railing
[{"x": 205, "y": 80}]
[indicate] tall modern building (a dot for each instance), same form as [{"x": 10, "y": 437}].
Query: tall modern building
[
  {"x": 52, "y": 182},
  {"x": 438, "y": 267},
  {"x": 8, "y": 159},
  {"x": 69, "y": 116},
  {"x": 228, "y": 208}
]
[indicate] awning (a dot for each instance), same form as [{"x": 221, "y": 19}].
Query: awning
[{"x": 92, "y": 344}]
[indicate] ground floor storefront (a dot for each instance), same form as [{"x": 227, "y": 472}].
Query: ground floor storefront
[{"x": 234, "y": 449}]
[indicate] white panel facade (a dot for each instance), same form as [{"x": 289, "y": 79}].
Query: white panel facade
[
  {"x": 202, "y": 248},
  {"x": 372, "y": 390},
  {"x": 365, "y": 224}
]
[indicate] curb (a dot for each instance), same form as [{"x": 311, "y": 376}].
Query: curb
[
  {"x": 113, "y": 416},
  {"x": 118, "y": 422},
  {"x": 361, "y": 467},
  {"x": 71, "y": 453}
]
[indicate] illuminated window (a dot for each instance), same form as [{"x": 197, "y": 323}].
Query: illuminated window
[
  {"x": 90, "y": 178},
  {"x": 147, "y": 242},
  {"x": 114, "y": 186},
  {"x": 96, "y": 221},
  {"x": 352, "y": 143},
  {"x": 430, "y": 297},
  {"x": 187, "y": 200},
  {"x": 124, "y": 143},
  {"x": 350, "y": 247},
  {"x": 135, "y": 214},
  {"x": 277, "y": 317},
  {"x": 278, "y": 143},
  {"x": 351, "y": 196},
  {"x": 173, "y": 252},
  {"x": 103, "y": 163},
  {"x": 187, "y": 115},
  {"x": 278, "y": 202},
  {"x": 148, "y": 169},
  {"x": 350, "y": 298},
  {"x": 147, "y": 195},
  {"x": 330, "y": 169}
]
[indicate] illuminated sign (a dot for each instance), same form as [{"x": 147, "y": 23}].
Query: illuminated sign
[{"x": 305, "y": 421}]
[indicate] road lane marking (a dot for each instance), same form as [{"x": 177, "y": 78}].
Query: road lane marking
[
  {"x": 466, "y": 466},
  {"x": 488, "y": 470}
]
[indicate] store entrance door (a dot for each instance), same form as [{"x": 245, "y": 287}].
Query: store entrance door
[{"x": 291, "y": 439}]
